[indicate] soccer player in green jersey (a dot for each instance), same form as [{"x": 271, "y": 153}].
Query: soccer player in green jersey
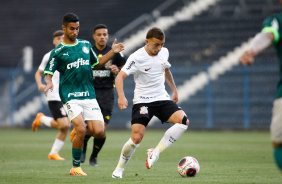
[
  {"x": 74, "y": 59},
  {"x": 271, "y": 34}
]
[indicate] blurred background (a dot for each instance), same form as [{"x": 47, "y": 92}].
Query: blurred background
[{"x": 205, "y": 39}]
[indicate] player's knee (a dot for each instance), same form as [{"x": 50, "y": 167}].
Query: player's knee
[
  {"x": 63, "y": 124},
  {"x": 185, "y": 120},
  {"x": 80, "y": 131},
  {"x": 67, "y": 125},
  {"x": 97, "y": 133},
  {"x": 100, "y": 134},
  {"x": 137, "y": 138}
]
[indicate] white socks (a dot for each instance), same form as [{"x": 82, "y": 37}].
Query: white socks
[
  {"x": 46, "y": 120},
  {"x": 57, "y": 146},
  {"x": 170, "y": 136},
  {"x": 127, "y": 151}
]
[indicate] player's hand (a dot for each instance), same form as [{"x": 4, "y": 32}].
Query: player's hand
[
  {"x": 117, "y": 47},
  {"x": 175, "y": 96},
  {"x": 122, "y": 103},
  {"x": 114, "y": 69},
  {"x": 41, "y": 87},
  {"x": 248, "y": 57},
  {"x": 48, "y": 86}
]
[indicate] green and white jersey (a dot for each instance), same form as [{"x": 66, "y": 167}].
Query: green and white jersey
[
  {"x": 74, "y": 62},
  {"x": 273, "y": 24}
]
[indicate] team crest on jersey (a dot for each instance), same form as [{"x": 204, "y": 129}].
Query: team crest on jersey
[
  {"x": 85, "y": 50},
  {"x": 143, "y": 110}
]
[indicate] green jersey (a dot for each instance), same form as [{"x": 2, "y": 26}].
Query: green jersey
[
  {"x": 273, "y": 24},
  {"x": 74, "y": 62}
]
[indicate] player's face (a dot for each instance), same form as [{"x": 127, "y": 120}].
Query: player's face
[
  {"x": 154, "y": 46},
  {"x": 71, "y": 31},
  {"x": 57, "y": 40},
  {"x": 101, "y": 37}
]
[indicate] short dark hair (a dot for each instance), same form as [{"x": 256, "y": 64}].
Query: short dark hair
[
  {"x": 155, "y": 32},
  {"x": 58, "y": 33},
  {"x": 99, "y": 26},
  {"x": 70, "y": 17}
]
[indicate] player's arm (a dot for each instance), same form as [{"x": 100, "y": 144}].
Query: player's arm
[
  {"x": 114, "y": 69},
  {"x": 116, "y": 47},
  {"x": 122, "y": 101},
  {"x": 39, "y": 72},
  {"x": 49, "y": 72},
  {"x": 119, "y": 61},
  {"x": 260, "y": 42},
  {"x": 38, "y": 80},
  {"x": 169, "y": 80},
  {"x": 48, "y": 82}
]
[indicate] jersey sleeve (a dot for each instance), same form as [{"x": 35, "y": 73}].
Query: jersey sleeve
[
  {"x": 93, "y": 58},
  {"x": 130, "y": 66},
  {"x": 44, "y": 61},
  {"x": 271, "y": 25},
  {"x": 166, "y": 55},
  {"x": 51, "y": 64}
]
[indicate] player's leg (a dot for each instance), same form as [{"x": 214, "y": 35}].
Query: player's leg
[
  {"x": 96, "y": 129},
  {"x": 140, "y": 120},
  {"x": 74, "y": 110},
  {"x": 128, "y": 149},
  {"x": 276, "y": 132},
  {"x": 60, "y": 138},
  {"x": 77, "y": 144},
  {"x": 41, "y": 119},
  {"x": 46, "y": 120},
  {"x": 94, "y": 120},
  {"x": 171, "y": 113},
  {"x": 60, "y": 122},
  {"x": 85, "y": 142},
  {"x": 105, "y": 99},
  {"x": 98, "y": 143}
]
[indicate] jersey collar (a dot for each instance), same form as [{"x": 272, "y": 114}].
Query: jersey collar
[{"x": 70, "y": 45}]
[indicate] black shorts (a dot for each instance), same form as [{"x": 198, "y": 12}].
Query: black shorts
[
  {"x": 142, "y": 113},
  {"x": 57, "y": 110},
  {"x": 105, "y": 99}
]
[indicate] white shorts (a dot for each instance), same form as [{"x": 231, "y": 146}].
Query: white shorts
[
  {"x": 89, "y": 108},
  {"x": 276, "y": 122}
]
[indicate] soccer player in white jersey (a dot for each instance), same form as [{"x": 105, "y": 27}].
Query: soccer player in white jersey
[
  {"x": 59, "y": 120},
  {"x": 150, "y": 68}
]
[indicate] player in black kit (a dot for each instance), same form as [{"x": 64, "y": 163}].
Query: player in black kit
[{"x": 104, "y": 86}]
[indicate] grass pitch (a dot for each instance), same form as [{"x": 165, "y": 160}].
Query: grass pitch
[{"x": 224, "y": 157}]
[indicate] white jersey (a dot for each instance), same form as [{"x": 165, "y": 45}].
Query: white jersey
[
  {"x": 51, "y": 95},
  {"x": 149, "y": 75}
]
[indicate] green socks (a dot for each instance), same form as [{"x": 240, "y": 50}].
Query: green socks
[
  {"x": 76, "y": 156},
  {"x": 278, "y": 157}
]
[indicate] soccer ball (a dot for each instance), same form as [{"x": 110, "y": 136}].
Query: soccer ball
[{"x": 188, "y": 167}]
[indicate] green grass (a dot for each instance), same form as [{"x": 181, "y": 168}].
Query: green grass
[{"x": 224, "y": 157}]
